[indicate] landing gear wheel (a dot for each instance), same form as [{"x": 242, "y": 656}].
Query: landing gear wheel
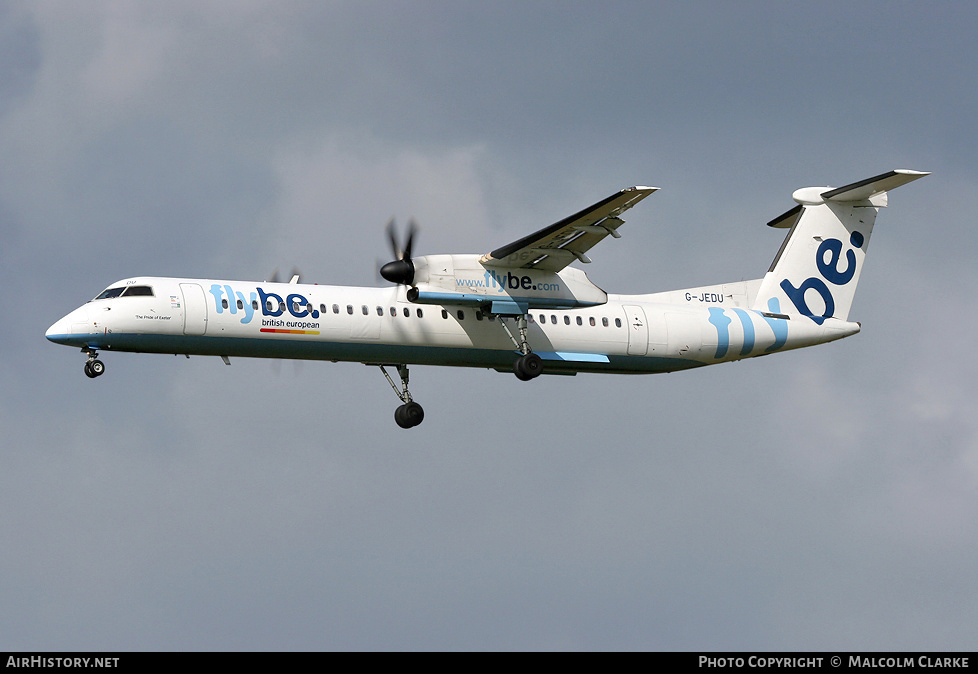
[
  {"x": 528, "y": 366},
  {"x": 94, "y": 368},
  {"x": 409, "y": 415}
]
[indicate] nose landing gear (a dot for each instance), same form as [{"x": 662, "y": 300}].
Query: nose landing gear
[{"x": 93, "y": 366}]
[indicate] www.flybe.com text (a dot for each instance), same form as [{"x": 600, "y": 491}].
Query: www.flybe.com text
[{"x": 507, "y": 281}]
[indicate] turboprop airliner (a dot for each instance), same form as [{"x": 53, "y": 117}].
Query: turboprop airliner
[{"x": 520, "y": 308}]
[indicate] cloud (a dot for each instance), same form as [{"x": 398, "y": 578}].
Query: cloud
[{"x": 334, "y": 195}]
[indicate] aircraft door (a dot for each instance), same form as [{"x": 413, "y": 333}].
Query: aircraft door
[
  {"x": 638, "y": 330},
  {"x": 194, "y": 309}
]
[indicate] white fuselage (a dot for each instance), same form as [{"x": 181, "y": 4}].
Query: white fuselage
[
  {"x": 518, "y": 308},
  {"x": 626, "y": 334}
]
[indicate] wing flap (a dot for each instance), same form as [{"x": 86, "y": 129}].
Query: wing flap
[{"x": 554, "y": 247}]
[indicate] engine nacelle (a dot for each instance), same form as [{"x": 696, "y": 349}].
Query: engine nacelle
[{"x": 463, "y": 280}]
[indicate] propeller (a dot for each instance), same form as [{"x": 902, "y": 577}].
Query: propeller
[{"x": 401, "y": 269}]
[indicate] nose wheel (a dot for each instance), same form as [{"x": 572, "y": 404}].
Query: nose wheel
[{"x": 93, "y": 366}]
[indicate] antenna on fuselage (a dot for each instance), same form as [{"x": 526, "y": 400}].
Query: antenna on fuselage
[{"x": 274, "y": 278}]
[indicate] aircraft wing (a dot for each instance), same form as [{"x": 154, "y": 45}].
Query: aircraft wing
[{"x": 556, "y": 246}]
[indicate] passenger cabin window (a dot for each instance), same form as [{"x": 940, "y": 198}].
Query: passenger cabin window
[
  {"x": 444, "y": 314},
  {"x": 380, "y": 311},
  {"x": 224, "y": 303},
  {"x": 254, "y": 304},
  {"x": 617, "y": 322},
  {"x": 240, "y": 304},
  {"x": 365, "y": 310},
  {"x": 336, "y": 308},
  {"x": 604, "y": 322},
  {"x": 591, "y": 321},
  {"x": 461, "y": 315},
  {"x": 349, "y": 309},
  {"x": 566, "y": 320},
  {"x": 407, "y": 313},
  {"x": 579, "y": 321},
  {"x": 420, "y": 313}
]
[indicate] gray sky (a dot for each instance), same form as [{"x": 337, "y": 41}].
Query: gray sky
[{"x": 823, "y": 499}]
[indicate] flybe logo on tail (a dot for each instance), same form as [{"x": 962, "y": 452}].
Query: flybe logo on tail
[
  {"x": 827, "y": 260},
  {"x": 270, "y": 304}
]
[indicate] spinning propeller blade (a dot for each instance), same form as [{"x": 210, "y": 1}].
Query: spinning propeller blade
[{"x": 401, "y": 269}]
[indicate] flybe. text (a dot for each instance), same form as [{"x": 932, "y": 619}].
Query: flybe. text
[{"x": 269, "y": 304}]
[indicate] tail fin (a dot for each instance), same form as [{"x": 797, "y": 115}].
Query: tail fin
[{"x": 816, "y": 271}]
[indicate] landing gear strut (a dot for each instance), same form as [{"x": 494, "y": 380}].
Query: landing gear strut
[
  {"x": 93, "y": 366},
  {"x": 529, "y": 365},
  {"x": 410, "y": 414}
]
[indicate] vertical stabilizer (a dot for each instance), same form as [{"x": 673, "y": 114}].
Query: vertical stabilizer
[{"x": 816, "y": 271}]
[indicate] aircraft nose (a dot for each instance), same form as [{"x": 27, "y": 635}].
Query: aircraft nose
[
  {"x": 72, "y": 325},
  {"x": 59, "y": 332}
]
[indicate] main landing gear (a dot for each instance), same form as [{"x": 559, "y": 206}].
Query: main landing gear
[
  {"x": 93, "y": 366},
  {"x": 529, "y": 365},
  {"x": 410, "y": 414}
]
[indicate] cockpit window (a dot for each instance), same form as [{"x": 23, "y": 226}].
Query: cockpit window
[
  {"x": 109, "y": 293},
  {"x": 138, "y": 290},
  {"x": 126, "y": 291}
]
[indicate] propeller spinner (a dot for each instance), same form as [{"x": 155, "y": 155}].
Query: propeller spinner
[{"x": 401, "y": 269}]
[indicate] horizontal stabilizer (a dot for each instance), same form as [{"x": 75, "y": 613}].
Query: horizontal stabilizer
[
  {"x": 867, "y": 189},
  {"x": 872, "y": 190},
  {"x": 786, "y": 219}
]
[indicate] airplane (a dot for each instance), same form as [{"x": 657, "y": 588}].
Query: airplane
[{"x": 519, "y": 308}]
